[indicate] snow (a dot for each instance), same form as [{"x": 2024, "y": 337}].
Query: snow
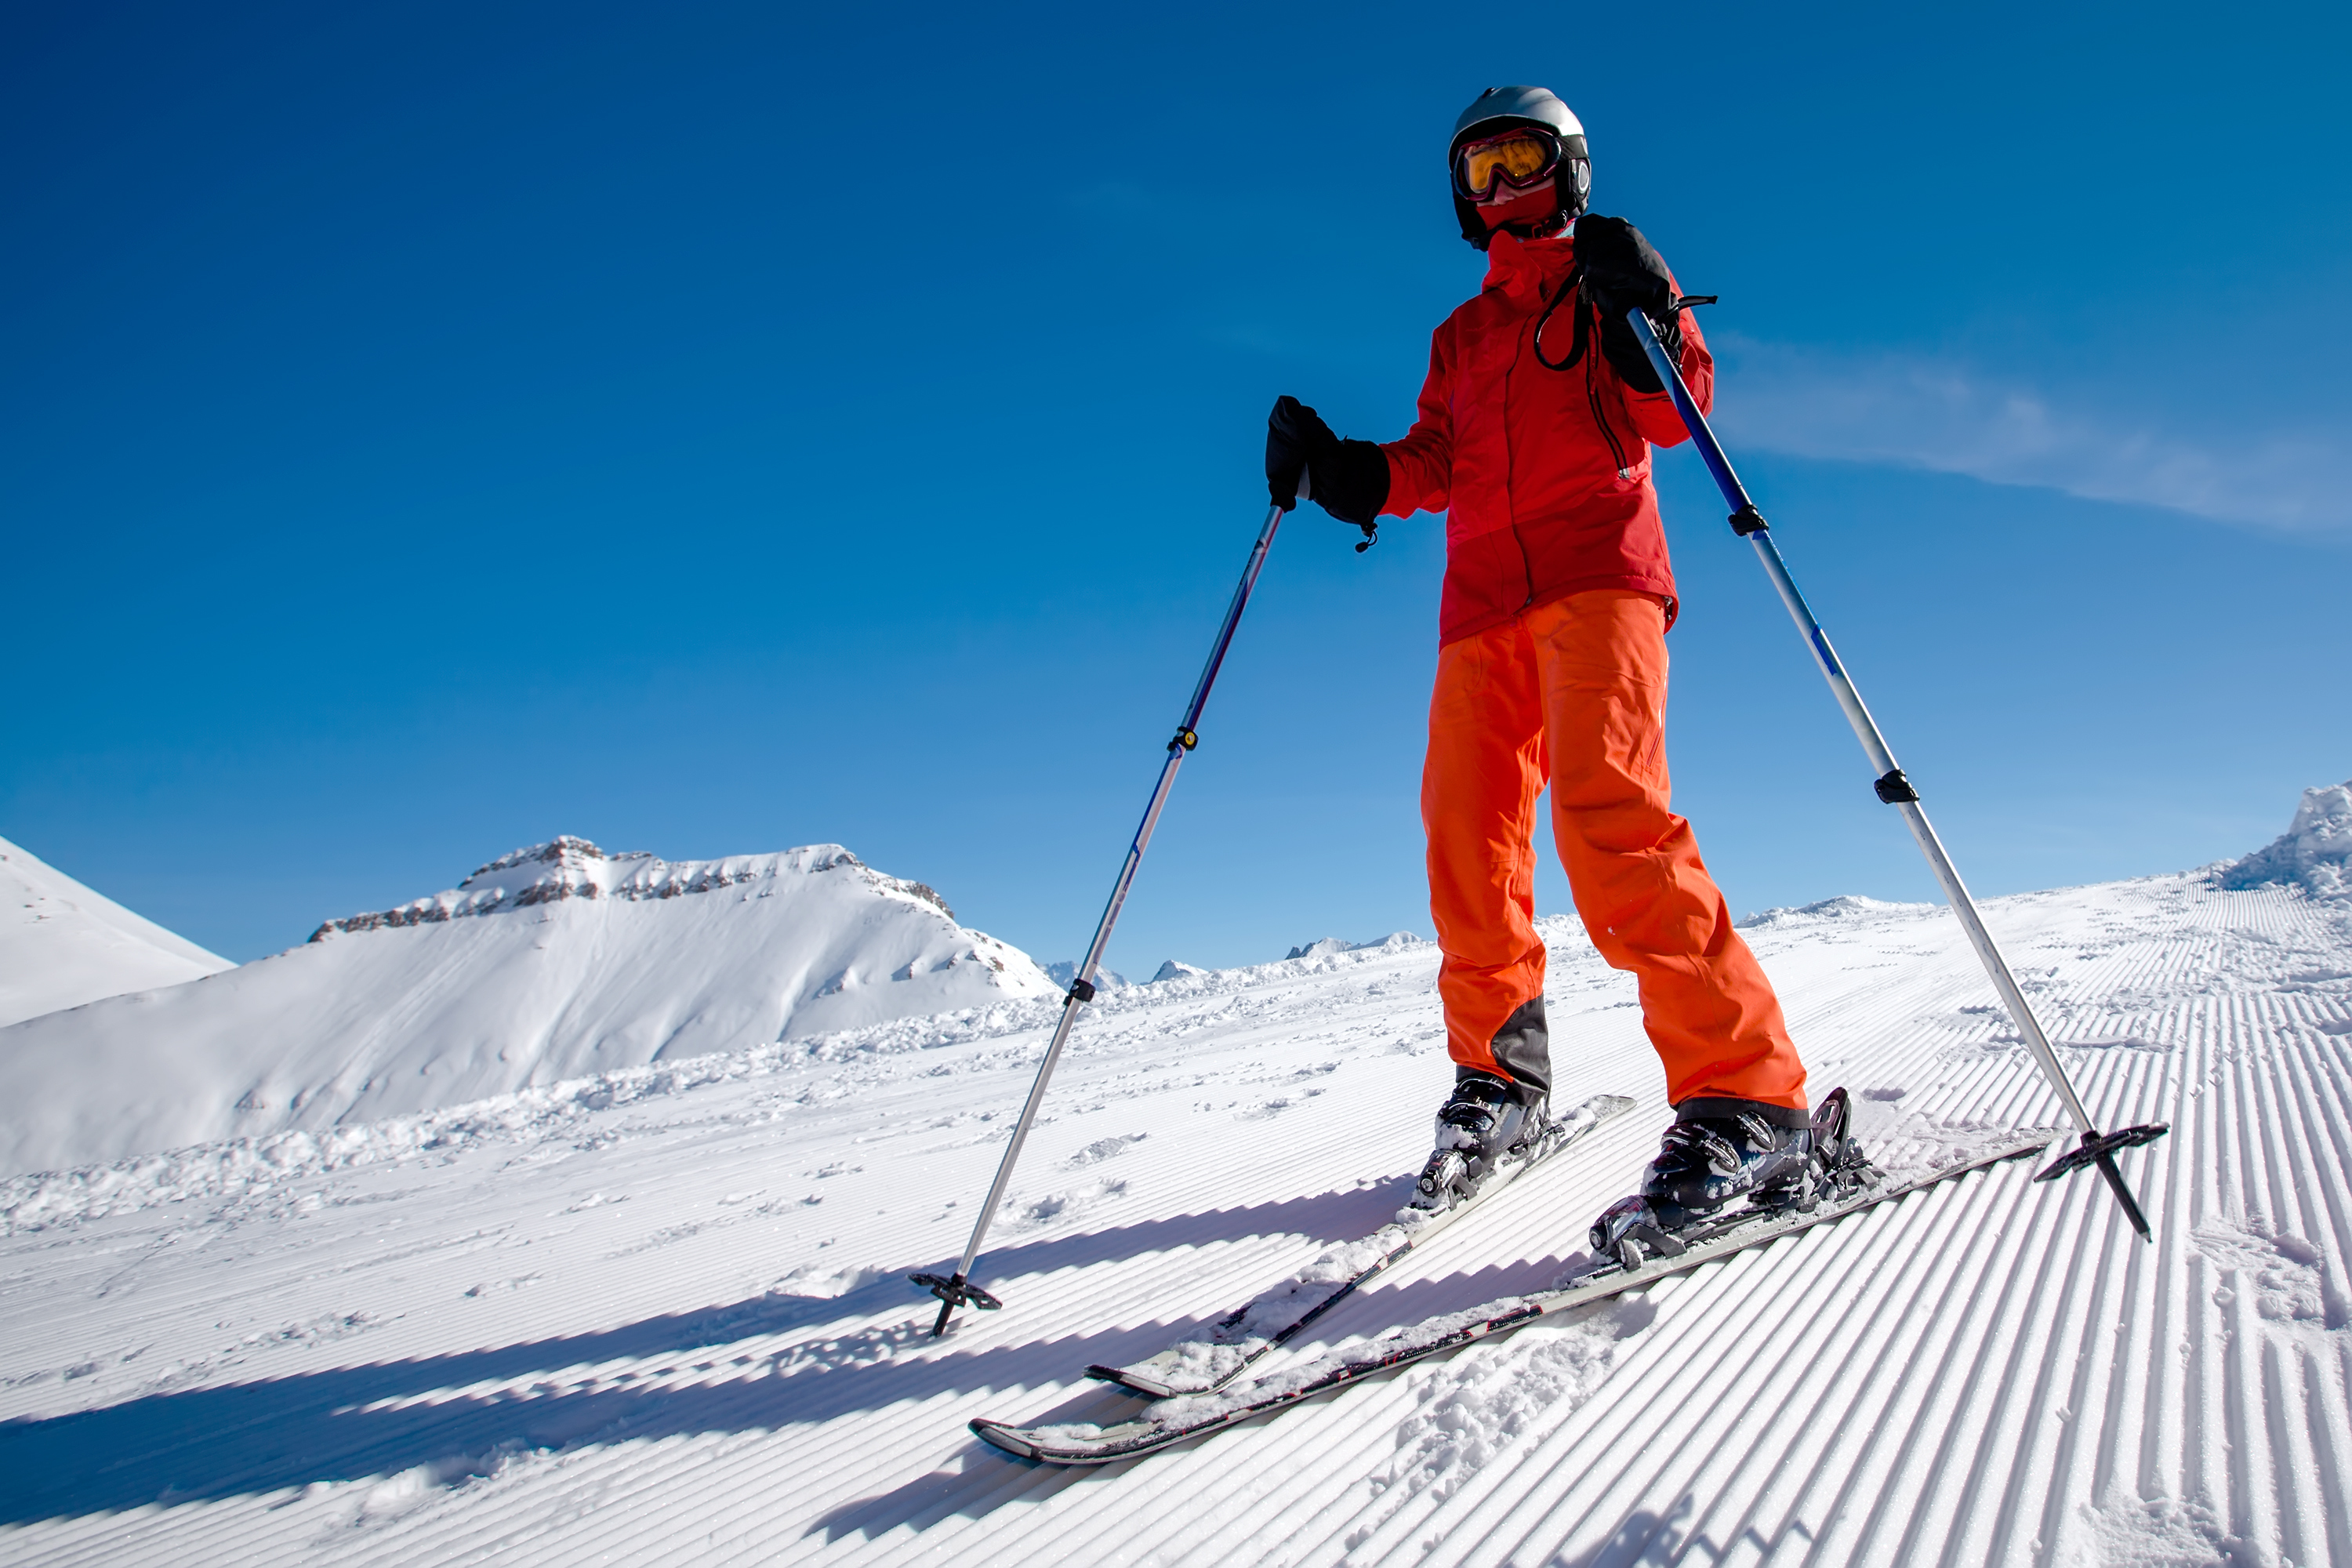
[
  {"x": 1062, "y": 971},
  {"x": 548, "y": 965},
  {"x": 2314, "y": 852},
  {"x": 1845, "y": 907},
  {"x": 62, "y": 945},
  {"x": 1223, "y": 1348},
  {"x": 655, "y": 1313},
  {"x": 1332, "y": 944}
]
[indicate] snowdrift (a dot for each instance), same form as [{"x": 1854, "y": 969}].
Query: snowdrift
[
  {"x": 62, "y": 945},
  {"x": 556, "y": 961},
  {"x": 2315, "y": 853}
]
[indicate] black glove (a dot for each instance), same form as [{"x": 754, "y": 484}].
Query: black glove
[
  {"x": 1620, "y": 271},
  {"x": 1348, "y": 479}
]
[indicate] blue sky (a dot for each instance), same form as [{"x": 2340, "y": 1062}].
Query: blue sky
[{"x": 427, "y": 429}]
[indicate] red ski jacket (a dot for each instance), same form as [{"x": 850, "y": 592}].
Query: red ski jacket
[{"x": 1544, "y": 475}]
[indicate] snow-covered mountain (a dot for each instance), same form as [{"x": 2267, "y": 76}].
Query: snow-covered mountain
[
  {"x": 1331, "y": 945},
  {"x": 1062, "y": 971},
  {"x": 62, "y": 945},
  {"x": 553, "y": 963}
]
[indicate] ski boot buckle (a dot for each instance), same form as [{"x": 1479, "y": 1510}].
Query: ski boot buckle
[{"x": 1630, "y": 1232}]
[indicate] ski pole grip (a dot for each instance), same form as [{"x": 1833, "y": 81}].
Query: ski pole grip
[{"x": 1303, "y": 493}]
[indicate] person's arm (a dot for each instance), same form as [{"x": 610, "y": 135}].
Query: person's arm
[
  {"x": 1620, "y": 270},
  {"x": 1421, "y": 466},
  {"x": 1653, "y": 413}
]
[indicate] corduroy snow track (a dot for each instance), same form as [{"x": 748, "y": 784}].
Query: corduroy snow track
[{"x": 660, "y": 1318}]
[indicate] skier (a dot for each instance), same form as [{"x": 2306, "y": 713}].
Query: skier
[{"x": 1533, "y": 437}]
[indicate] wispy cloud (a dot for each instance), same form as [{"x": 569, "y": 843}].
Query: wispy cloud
[{"x": 1947, "y": 417}]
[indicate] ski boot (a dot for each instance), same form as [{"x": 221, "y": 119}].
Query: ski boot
[
  {"x": 1721, "y": 1149},
  {"x": 1485, "y": 1119}
]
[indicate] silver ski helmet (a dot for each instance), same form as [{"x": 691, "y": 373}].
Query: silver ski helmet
[{"x": 1501, "y": 108}]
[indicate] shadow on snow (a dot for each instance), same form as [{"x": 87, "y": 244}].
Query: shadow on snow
[
  {"x": 984, "y": 1478},
  {"x": 360, "y": 1422}
]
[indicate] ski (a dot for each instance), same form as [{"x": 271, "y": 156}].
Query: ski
[
  {"x": 1178, "y": 1420},
  {"x": 1214, "y": 1357}
]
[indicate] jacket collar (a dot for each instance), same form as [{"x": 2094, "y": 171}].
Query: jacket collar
[{"x": 1526, "y": 269}]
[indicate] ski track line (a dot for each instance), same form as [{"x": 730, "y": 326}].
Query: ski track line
[
  {"x": 1767, "y": 1387},
  {"x": 2016, "y": 1376},
  {"x": 1883, "y": 1400},
  {"x": 1547, "y": 1224},
  {"x": 1681, "y": 1318},
  {"x": 1531, "y": 1209},
  {"x": 1254, "y": 1270},
  {"x": 1673, "y": 1322},
  {"x": 1768, "y": 1515},
  {"x": 1792, "y": 1281},
  {"x": 1252, "y": 1273},
  {"x": 1940, "y": 1485},
  {"x": 1525, "y": 1521}
]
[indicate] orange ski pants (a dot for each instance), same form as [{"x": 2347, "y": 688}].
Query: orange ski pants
[{"x": 1574, "y": 691}]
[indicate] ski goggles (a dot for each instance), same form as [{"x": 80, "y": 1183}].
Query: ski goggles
[{"x": 1516, "y": 158}]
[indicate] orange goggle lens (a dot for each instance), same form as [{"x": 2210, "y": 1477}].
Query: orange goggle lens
[{"x": 1515, "y": 160}]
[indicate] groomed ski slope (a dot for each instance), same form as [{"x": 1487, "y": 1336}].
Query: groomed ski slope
[{"x": 656, "y": 1318}]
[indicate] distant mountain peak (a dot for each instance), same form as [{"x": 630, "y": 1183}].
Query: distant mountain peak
[
  {"x": 555, "y": 962},
  {"x": 1062, "y": 971},
  {"x": 1332, "y": 946},
  {"x": 561, "y": 850},
  {"x": 568, "y": 867},
  {"x": 1843, "y": 907}
]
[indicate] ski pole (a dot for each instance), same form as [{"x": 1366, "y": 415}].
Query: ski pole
[
  {"x": 2096, "y": 1148},
  {"x": 957, "y": 1290}
]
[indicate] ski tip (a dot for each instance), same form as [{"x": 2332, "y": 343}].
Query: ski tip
[
  {"x": 1135, "y": 1383},
  {"x": 997, "y": 1435}
]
